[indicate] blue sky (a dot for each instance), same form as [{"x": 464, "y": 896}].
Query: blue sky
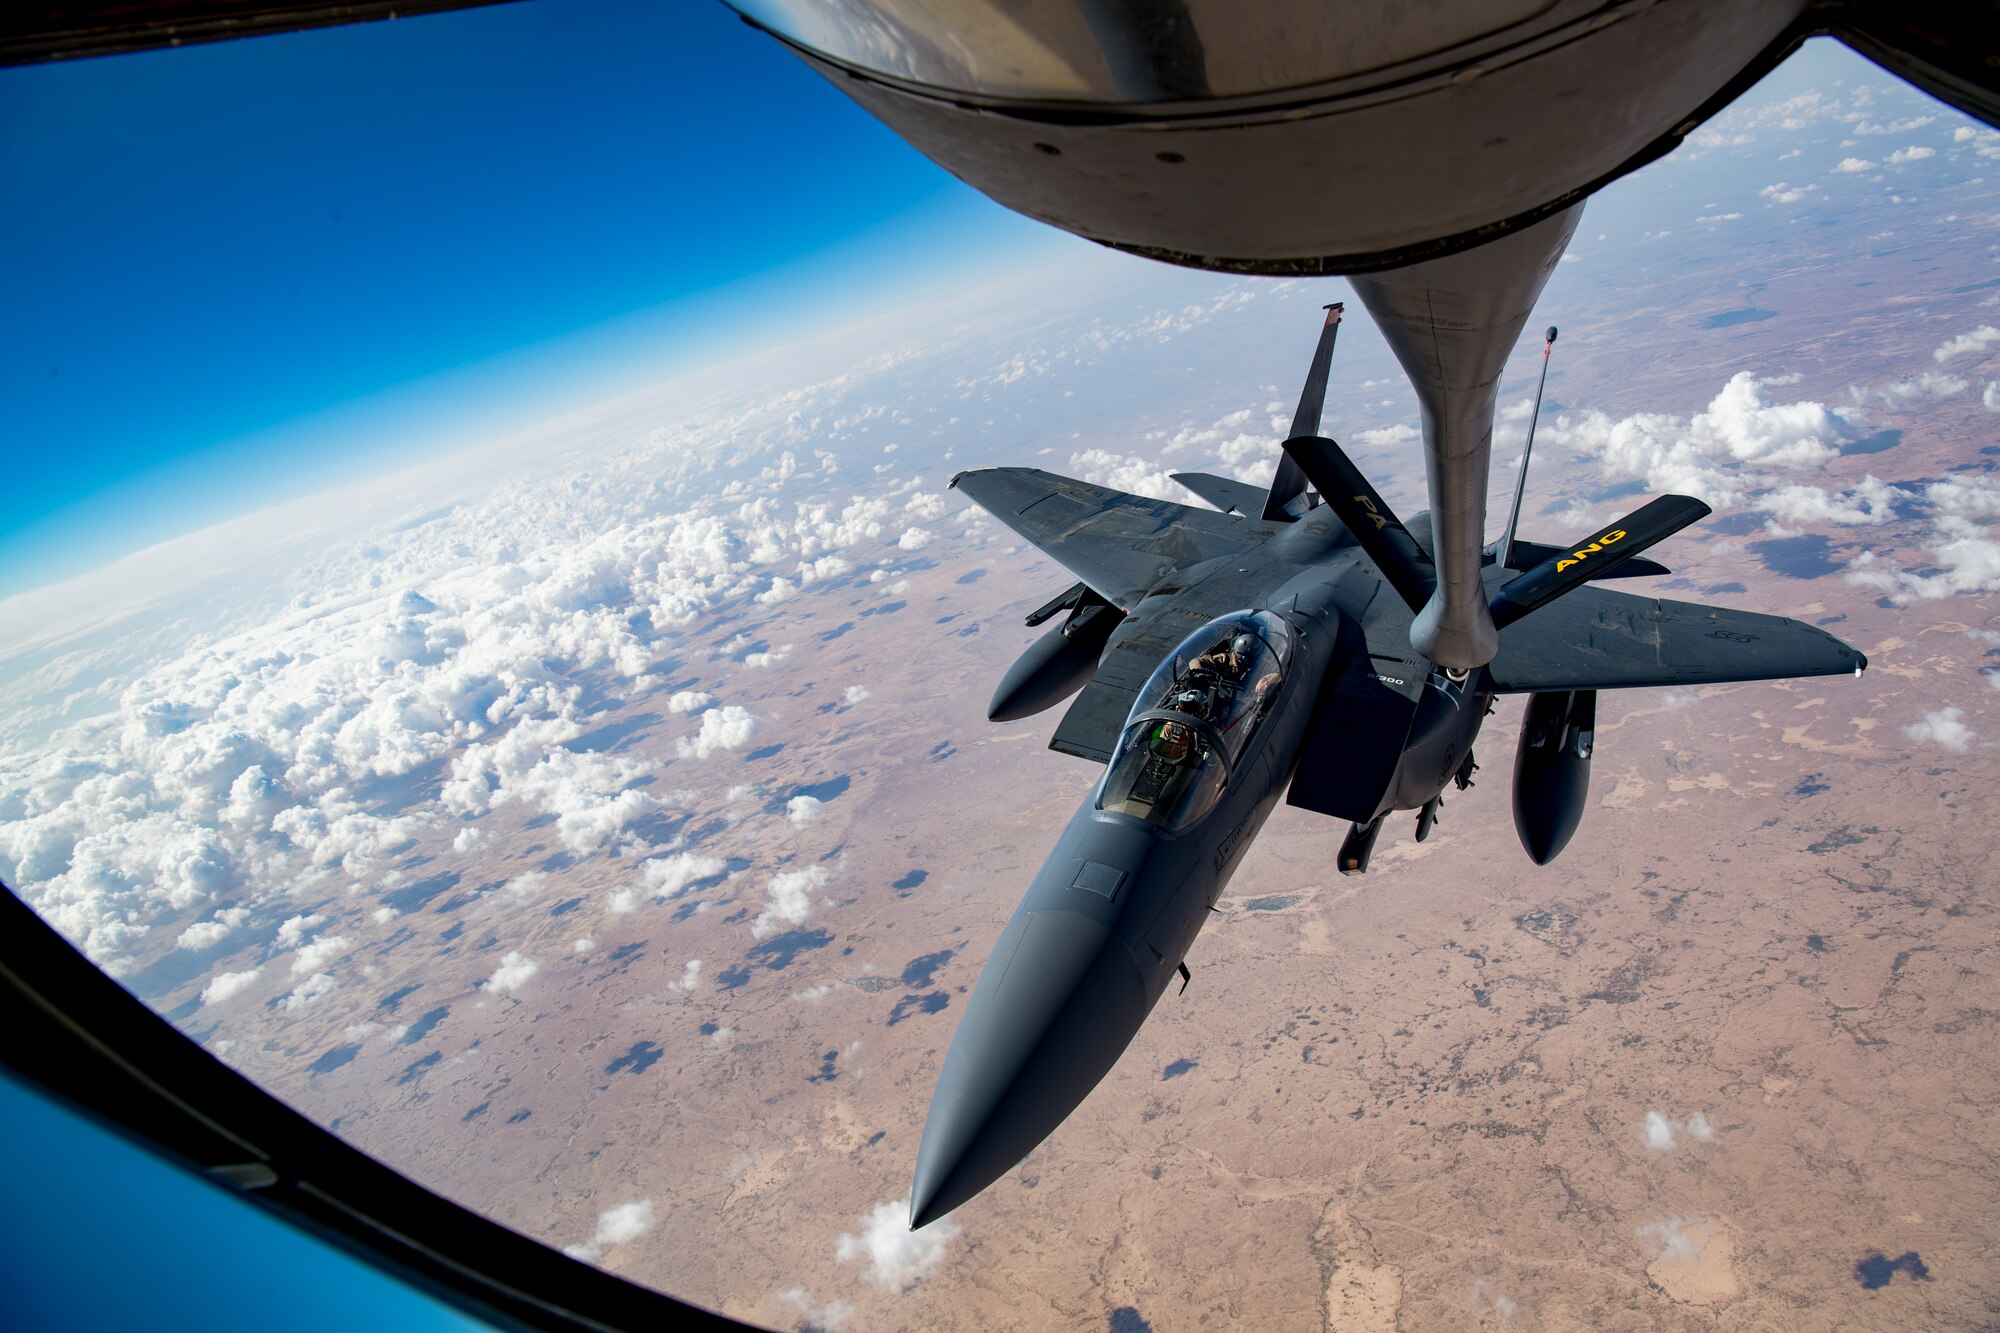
[{"x": 242, "y": 270}]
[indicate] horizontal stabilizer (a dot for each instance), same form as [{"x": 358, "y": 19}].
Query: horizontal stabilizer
[
  {"x": 1573, "y": 566},
  {"x": 1529, "y": 554},
  {"x": 1596, "y": 639},
  {"x": 1367, "y": 515},
  {"x": 1225, "y": 493}
]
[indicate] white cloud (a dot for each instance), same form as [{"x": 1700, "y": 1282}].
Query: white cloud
[
  {"x": 689, "y": 701},
  {"x": 309, "y": 990},
  {"x": 382, "y": 916},
  {"x": 619, "y": 1225},
  {"x": 1870, "y": 503},
  {"x": 913, "y": 539},
  {"x": 1929, "y": 384},
  {"x": 526, "y": 885},
  {"x": 1978, "y": 340},
  {"x": 814, "y": 994},
  {"x": 1903, "y": 126},
  {"x": 897, "y": 1257},
  {"x": 468, "y": 839},
  {"x": 790, "y": 899},
  {"x": 854, "y": 695},
  {"x": 802, "y": 810},
  {"x": 227, "y": 984},
  {"x": 1915, "y": 153},
  {"x": 1662, "y": 1134},
  {"x": 1963, "y": 554},
  {"x": 1703, "y": 454},
  {"x": 1674, "y": 1239},
  {"x": 729, "y": 727},
  {"x": 781, "y": 590},
  {"x": 1384, "y": 436},
  {"x": 690, "y": 976},
  {"x": 1852, "y": 165},
  {"x": 1943, "y": 727},
  {"x": 584, "y": 945},
  {"x": 1123, "y": 472},
  {"x": 513, "y": 973},
  {"x": 294, "y": 930},
  {"x": 669, "y": 876},
  {"x": 208, "y": 934},
  {"x": 315, "y": 956},
  {"x": 798, "y": 1301},
  {"x": 768, "y": 659},
  {"x": 926, "y": 505}
]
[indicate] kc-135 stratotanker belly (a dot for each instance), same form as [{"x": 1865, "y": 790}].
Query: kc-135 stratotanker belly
[{"x": 1301, "y": 642}]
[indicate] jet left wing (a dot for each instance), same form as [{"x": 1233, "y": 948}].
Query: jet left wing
[
  {"x": 1121, "y": 545},
  {"x": 1594, "y": 639}
]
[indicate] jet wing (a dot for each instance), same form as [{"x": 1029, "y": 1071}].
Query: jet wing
[
  {"x": 1121, "y": 545},
  {"x": 1594, "y": 639}
]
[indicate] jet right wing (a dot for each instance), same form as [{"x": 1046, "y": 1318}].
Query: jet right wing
[
  {"x": 1594, "y": 639},
  {"x": 1122, "y": 545}
]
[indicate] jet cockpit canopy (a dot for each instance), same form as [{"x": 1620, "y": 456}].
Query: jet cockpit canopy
[{"x": 1195, "y": 719}]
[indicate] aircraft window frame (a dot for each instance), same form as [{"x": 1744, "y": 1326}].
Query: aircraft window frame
[{"x": 1207, "y": 770}]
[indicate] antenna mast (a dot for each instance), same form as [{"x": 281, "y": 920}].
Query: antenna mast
[{"x": 1521, "y": 479}]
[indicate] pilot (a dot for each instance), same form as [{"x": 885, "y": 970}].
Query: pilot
[
  {"x": 1172, "y": 741},
  {"x": 1229, "y": 658},
  {"x": 1231, "y": 662}
]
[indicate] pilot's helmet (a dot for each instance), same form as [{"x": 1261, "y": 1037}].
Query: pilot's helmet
[
  {"x": 1242, "y": 646},
  {"x": 1172, "y": 741}
]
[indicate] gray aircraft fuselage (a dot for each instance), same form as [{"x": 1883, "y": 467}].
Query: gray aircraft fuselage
[{"x": 1108, "y": 921}]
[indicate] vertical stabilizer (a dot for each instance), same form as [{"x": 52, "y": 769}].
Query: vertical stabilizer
[{"x": 1288, "y": 488}]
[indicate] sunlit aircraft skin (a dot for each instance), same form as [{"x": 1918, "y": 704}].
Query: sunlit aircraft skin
[{"x": 1274, "y": 642}]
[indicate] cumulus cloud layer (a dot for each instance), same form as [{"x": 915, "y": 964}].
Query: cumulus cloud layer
[
  {"x": 273, "y": 746},
  {"x": 1751, "y": 450},
  {"x": 1703, "y": 454}
]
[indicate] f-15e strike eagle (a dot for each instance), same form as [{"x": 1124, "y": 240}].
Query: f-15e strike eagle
[{"x": 1266, "y": 650}]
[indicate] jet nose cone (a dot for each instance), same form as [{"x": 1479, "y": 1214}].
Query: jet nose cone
[{"x": 1054, "y": 1009}]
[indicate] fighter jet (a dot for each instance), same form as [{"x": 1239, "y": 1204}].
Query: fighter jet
[{"x": 1261, "y": 648}]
